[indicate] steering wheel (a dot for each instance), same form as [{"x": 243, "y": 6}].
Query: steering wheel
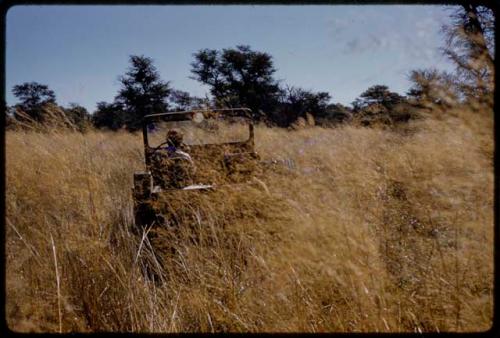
[
  {"x": 154, "y": 152},
  {"x": 155, "y": 149}
]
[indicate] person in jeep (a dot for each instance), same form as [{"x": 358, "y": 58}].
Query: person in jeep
[
  {"x": 174, "y": 168},
  {"x": 174, "y": 144}
]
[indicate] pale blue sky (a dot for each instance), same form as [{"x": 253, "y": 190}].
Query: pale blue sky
[{"x": 79, "y": 51}]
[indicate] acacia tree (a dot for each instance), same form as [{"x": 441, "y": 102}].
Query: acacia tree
[
  {"x": 142, "y": 92},
  {"x": 378, "y": 104},
  {"x": 432, "y": 87},
  {"x": 297, "y": 102},
  {"x": 184, "y": 101},
  {"x": 238, "y": 77},
  {"x": 78, "y": 115},
  {"x": 470, "y": 46},
  {"x": 108, "y": 116},
  {"x": 33, "y": 96},
  {"x": 378, "y": 94},
  {"x": 335, "y": 113}
]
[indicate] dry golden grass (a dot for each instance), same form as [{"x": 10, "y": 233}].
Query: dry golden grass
[{"x": 376, "y": 230}]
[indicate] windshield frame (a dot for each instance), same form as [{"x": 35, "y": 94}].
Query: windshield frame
[{"x": 187, "y": 115}]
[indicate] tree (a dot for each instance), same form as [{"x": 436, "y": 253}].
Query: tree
[
  {"x": 238, "y": 77},
  {"x": 184, "y": 101},
  {"x": 470, "y": 46},
  {"x": 297, "y": 102},
  {"x": 78, "y": 116},
  {"x": 335, "y": 113},
  {"x": 432, "y": 87},
  {"x": 378, "y": 94},
  {"x": 378, "y": 105},
  {"x": 108, "y": 116},
  {"x": 142, "y": 92},
  {"x": 33, "y": 96}
]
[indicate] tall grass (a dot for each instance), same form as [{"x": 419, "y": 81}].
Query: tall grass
[{"x": 376, "y": 230}]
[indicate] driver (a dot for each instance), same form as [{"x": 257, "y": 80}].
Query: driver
[{"x": 174, "y": 141}]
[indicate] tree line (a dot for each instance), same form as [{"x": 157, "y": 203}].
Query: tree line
[{"x": 243, "y": 77}]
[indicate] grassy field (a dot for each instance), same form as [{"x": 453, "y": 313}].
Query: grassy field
[{"x": 376, "y": 230}]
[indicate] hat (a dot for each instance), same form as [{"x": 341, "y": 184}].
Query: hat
[{"x": 174, "y": 137}]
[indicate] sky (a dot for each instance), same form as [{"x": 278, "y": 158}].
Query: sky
[{"x": 80, "y": 51}]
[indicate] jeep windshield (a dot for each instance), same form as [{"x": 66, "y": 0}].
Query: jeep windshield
[{"x": 200, "y": 130}]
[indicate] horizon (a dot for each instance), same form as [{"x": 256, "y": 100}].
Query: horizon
[{"x": 339, "y": 49}]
